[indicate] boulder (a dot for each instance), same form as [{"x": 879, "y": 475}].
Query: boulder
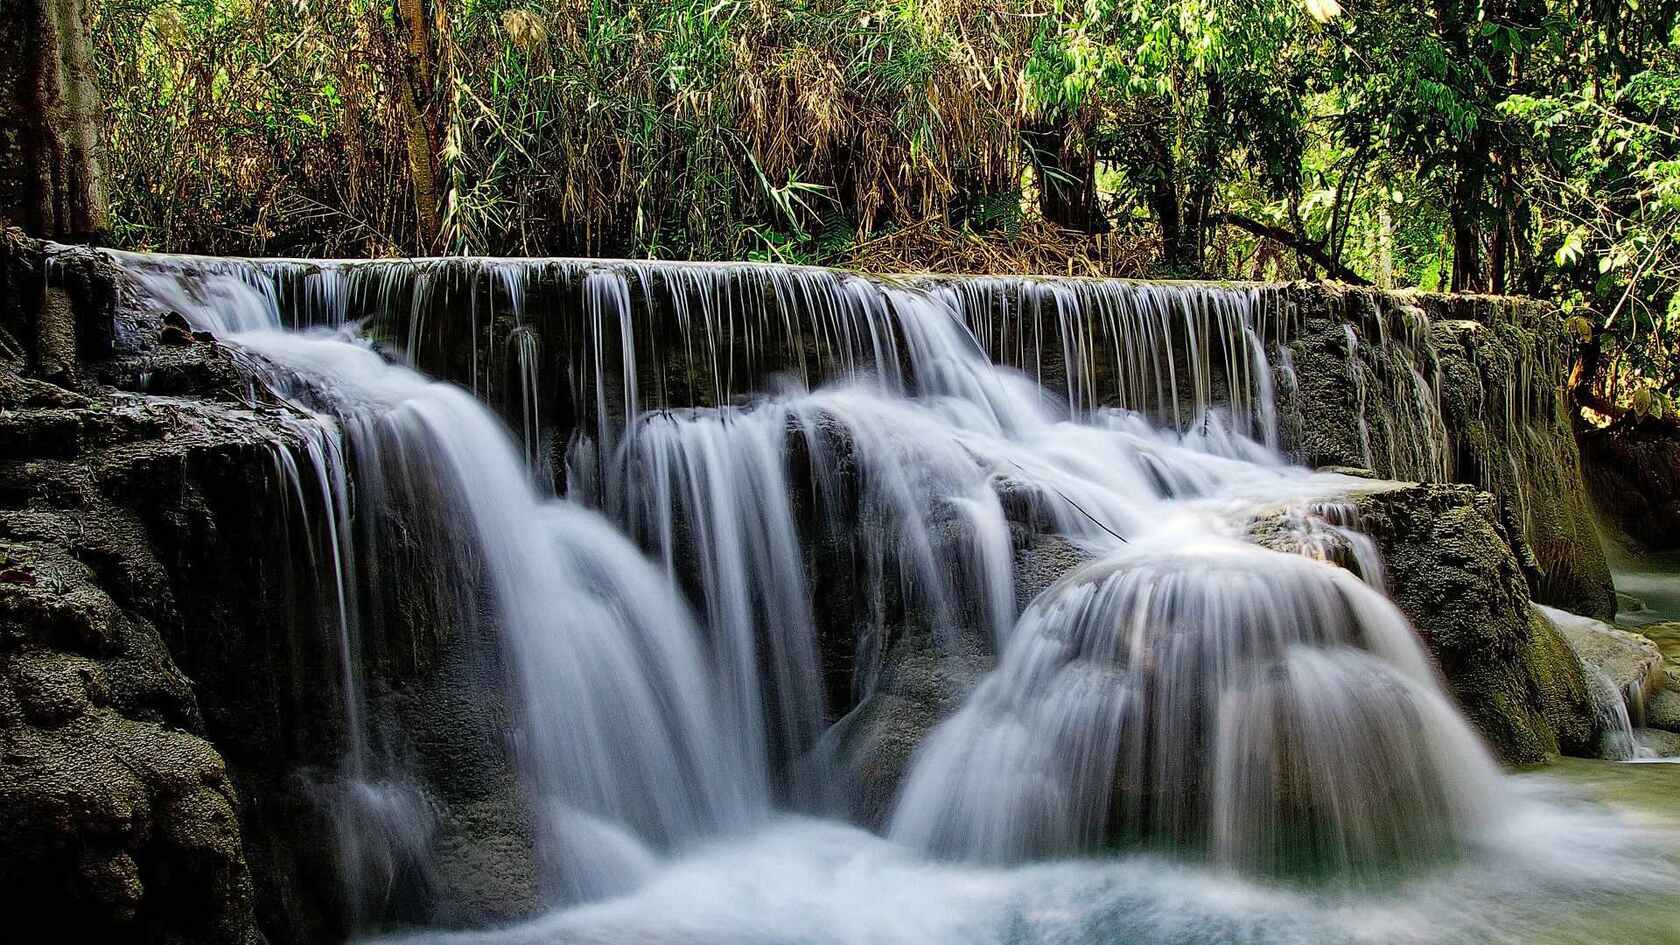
[
  {"x": 1452, "y": 570},
  {"x": 926, "y": 677},
  {"x": 119, "y": 823},
  {"x": 1666, "y": 636},
  {"x": 1041, "y": 561},
  {"x": 1662, "y": 710},
  {"x": 868, "y": 753},
  {"x": 1659, "y": 743},
  {"x": 1631, "y": 662},
  {"x": 1448, "y": 563}
]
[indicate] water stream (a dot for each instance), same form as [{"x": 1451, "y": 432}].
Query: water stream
[{"x": 1188, "y": 738}]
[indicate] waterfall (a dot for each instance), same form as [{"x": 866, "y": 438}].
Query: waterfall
[
  {"x": 617, "y": 713},
  {"x": 1261, "y": 709},
  {"x": 617, "y": 716},
  {"x": 1610, "y": 708},
  {"x": 767, "y": 476}
]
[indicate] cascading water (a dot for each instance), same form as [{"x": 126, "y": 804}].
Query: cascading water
[
  {"x": 616, "y": 708},
  {"x": 1198, "y": 693},
  {"x": 767, "y": 435},
  {"x": 614, "y": 698}
]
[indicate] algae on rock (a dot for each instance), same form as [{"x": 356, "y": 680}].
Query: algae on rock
[
  {"x": 1451, "y": 389},
  {"x": 1447, "y": 560}
]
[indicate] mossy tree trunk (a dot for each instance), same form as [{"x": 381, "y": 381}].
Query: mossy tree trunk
[
  {"x": 51, "y": 181},
  {"x": 420, "y": 84},
  {"x": 52, "y": 184}
]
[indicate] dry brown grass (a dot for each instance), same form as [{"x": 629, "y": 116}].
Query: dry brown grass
[
  {"x": 1038, "y": 248},
  {"x": 579, "y": 127}
]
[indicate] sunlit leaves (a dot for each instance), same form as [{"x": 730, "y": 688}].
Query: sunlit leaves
[
  {"x": 1649, "y": 403},
  {"x": 1573, "y": 247},
  {"x": 1606, "y": 190},
  {"x": 1323, "y": 10}
]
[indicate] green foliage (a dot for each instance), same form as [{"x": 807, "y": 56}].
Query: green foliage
[
  {"x": 1606, "y": 193},
  {"x": 1504, "y": 145},
  {"x": 681, "y": 127}
]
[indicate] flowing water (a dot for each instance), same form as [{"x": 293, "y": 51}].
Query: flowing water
[
  {"x": 1648, "y": 588},
  {"x": 1188, "y": 738}
]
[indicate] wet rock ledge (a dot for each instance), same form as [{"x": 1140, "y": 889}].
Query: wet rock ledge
[
  {"x": 141, "y": 585},
  {"x": 1458, "y": 568}
]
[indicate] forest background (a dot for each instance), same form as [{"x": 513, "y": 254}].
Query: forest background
[{"x": 1511, "y": 146}]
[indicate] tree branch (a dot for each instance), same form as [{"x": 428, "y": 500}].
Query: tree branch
[
  {"x": 1621, "y": 417},
  {"x": 1305, "y": 247}
]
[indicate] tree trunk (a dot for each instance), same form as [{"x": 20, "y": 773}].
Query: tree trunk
[
  {"x": 51, "y": 181},
  {"x": 1178, "y": 251},
  {"x": 1197, "y": 225},
  {"x": 1466, "y": 239},
  {"x": 1303, "y": 247},
  {"x": 420, "y": 70},
  {"x": 1199, "y": 221},
  {"x": 1385, "y": 244},
  {"x": 1499, "y": 258},
  {"x": 1067, "y": 178}
]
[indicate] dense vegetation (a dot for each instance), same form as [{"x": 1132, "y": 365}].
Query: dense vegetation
[{"x": 1480, "y": 145}]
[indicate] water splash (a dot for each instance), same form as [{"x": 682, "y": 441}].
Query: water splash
[{"x": 1206, "y": 696}]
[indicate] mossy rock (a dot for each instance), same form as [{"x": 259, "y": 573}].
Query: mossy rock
[
  {"x": 1662, "y": 710},
  {"x": 1496, "y": 369},
  {"x": 1452, "y": 571}
]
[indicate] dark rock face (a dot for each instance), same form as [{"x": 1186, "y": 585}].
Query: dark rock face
[
  {"x": 1452, "y": 571},
  {"x": 124, "y": 820},
  {"x": 1633, "y": 475},
  {"x": 924, "y": 683},
  {"x": 926, "y": 677},
  {"x": 1496, "y": 368},
  {"x": 170, "y": 687}
]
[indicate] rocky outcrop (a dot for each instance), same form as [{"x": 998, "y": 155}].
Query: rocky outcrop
[
  {"x": 1450, "y": 389},
  {"x": 1448, "y": 562},
  {"x": 924, "y": 678},
  {"x": 1660, "y": 743},
  {"x": 1625, "y": 672},
  {"x": 1631, "y": 662},
  {"x": 124, "y": 820},
  {"x": 1666, "y": 635},
  {"x": 171, "y": 698},
  {"x": 869, "y": 751},
  {"x": 1662, "y": 707},
  {"x": 1452, "y": 570},
  {"x": 1662, "y": 710}
]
